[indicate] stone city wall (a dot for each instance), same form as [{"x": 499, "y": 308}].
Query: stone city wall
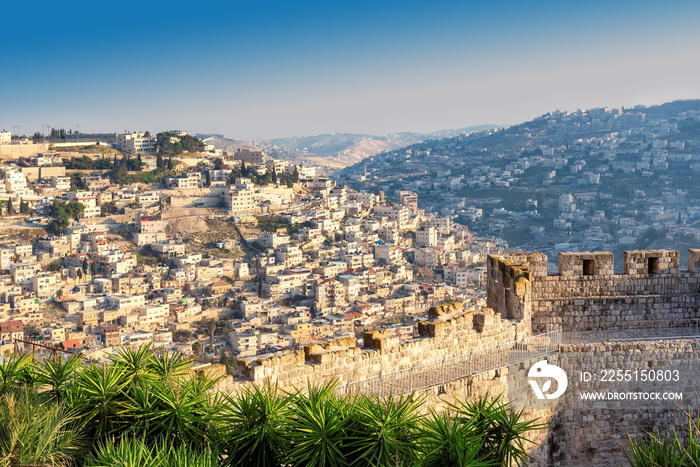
[
  {"x": 582, "y": 433},
  {"x": 35, "y": 173},
  {"x": 450, "y": 332},
  {"x": 586, "y": 293},
  {"x": 523, "y": 299},
  {"x": 578, "y": 433},
  {"x": 13, "y": 151}
]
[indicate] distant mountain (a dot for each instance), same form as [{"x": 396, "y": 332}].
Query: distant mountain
[
  {"x": 225, "y": 144},
  {"x": 334, "y": 151}
]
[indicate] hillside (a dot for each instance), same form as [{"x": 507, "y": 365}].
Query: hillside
[{"x": 598, "y": 179}]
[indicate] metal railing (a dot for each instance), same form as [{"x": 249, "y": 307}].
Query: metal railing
[
  {"x": 635, "y": 330},
  {"x": 469, "y": 364}
]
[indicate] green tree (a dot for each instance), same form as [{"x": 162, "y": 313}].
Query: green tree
[
  {"x": 211, "y": 327},
  {"x": 109, "y": 208},
  {"x": 171, "y": 144},
  {"x": 74, "y": 209},
  {"x": 59, "y": 224}
]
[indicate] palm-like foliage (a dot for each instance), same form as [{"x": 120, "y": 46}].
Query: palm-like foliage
[
  {"x": 318, "y": 428},
  {"x": 671, "y": 450},
  {"x": 98, "y": 393},
  {"x": 251, "y": 427},
  {"x": 137, "y": 363},
  {"x": 57, "y": 373},
  {"x": 137, "y": 452},
  {"x": 169, "y": 365},
  {"x": 126, "y": 408},
  {"x": 181, "y": 412},
  {"x": 33, "y": 431},
  {"x": 17, "y": 373},
  {"x": 446, "y": 441},
  {"x": 503, "y": 429},
  {"x": 384, "y": 431}
]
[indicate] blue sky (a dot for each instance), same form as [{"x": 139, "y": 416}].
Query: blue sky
[{"x": 283, "y": 68}]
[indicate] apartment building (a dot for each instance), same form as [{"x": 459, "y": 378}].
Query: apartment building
[
  {"x": 134, "y": 143},
  {"x": 250, "y": 156},
  {"x": 11, "y": 330},
  {"x": 426, "y": 236},
  {"x": 240, "y": 201},
  {"x": 44, "y": 286}
]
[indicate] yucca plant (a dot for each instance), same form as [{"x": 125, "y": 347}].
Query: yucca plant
[
  {"x": 136, "y": 363},
  {"x": 36, "y": 431},
  {"x": 383, "y": 432},
  {"x": 674, "y": 449},
  {"x": 250, "y": 428},
  {"x": 445, "y": 441},
  {"x": 503, "y": 429},
  {"x": 181, "y": 410},
  {"x": 317, "y": 428},
  {"x": 656, "y": 452},
  {"x": 137, "y": 452},
  {"x": 57, "y": 373},
  {"x": 17, "y": 373},
  {"x": 169, "y": 364},
  {"x": 98, "y": 395}
]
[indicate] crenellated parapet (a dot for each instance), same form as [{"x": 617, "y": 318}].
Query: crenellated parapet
[
  {"x": 449, "y": 332},
  {"x": 586, "y": 293}
]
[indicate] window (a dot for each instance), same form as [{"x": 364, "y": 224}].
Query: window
[
  {"x": 653, "y": 265},
  {"x": 588, "y": 267}
]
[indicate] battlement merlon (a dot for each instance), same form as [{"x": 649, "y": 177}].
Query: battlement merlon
[
  {"x": 596, "y": 263},
  {"x": 601, "y": 263},
  {"x": 646, "y": 262},
  {"x": 693, "y": 260}
]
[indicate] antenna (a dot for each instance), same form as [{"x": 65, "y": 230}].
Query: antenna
[{"x": 77, "y": 128}]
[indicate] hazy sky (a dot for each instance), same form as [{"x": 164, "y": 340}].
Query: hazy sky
[{"x": 290, "y": 68}]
